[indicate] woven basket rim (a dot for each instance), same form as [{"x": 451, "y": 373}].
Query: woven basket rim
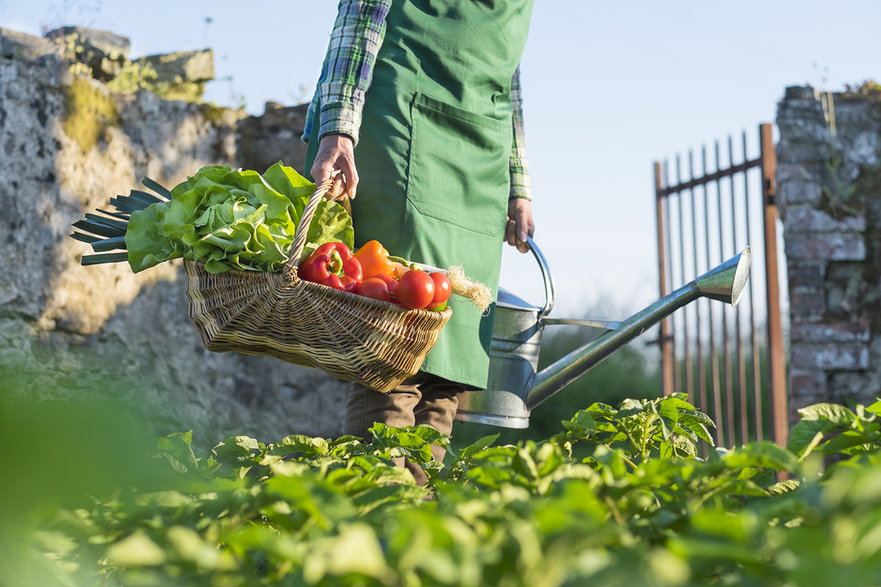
[{"x": 289, "y": 279}]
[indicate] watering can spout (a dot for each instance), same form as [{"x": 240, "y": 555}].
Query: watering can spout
[
  {"x": 515, "y": 388},
  {"x": 724, "y": 283}
]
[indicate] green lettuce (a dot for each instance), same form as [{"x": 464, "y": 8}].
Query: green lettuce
[{"x": 233, "y": 219}]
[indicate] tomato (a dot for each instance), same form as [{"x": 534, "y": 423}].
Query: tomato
[
  {"x": 373, "y": 287},
  {"x": 391, "y": 283},
  {"x": 415, "y": 289},
  {"x": 442, "y": 289}
]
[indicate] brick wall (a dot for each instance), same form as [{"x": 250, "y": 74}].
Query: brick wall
[{"x": 829, "y": 181}]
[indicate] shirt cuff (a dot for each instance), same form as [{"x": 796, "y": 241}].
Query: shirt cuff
[
  {"x": 520, "y": 185},
  {"x": 339, "y": 118}
]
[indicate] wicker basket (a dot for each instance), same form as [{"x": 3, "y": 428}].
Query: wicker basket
[{"x": 375, "y": 343}]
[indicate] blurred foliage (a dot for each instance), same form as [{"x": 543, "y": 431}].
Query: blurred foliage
[
  {"x": 640, "y": 508},
  {"x": 618, "y": 494},
  {"x": 61, "y": 455}
]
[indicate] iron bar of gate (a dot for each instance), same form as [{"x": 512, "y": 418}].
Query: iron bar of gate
[
  {"x": 714, "y": 357},
  {"x": 723, "y": 339},
  {"x": 758, "y": 401},
  {"x": 665, "y": 340},
  {"x": 738, "y": 337},
  {"x": 688, "y": 370},
  {"x": 776, "y": 359}
]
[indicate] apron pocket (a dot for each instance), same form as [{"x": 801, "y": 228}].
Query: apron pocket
[{"x": 458, "y": 166}]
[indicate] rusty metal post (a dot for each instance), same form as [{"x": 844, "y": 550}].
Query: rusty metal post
[
  {"x": 776, "y": 356},
  {"x": 666, "y": 341}
]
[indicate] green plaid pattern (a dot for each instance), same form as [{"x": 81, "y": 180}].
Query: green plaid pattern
[
  {"x": 357, "y": 35},
  {"x": 520, "y": 186}
]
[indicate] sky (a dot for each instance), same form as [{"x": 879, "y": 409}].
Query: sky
[{"x": 609, "y": 88}]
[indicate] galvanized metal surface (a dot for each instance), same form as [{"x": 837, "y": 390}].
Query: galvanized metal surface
[
  {"x": 515, "y": 387},
  {"x": 514, "y": 351},
  {"x": 724, "y": 283}
]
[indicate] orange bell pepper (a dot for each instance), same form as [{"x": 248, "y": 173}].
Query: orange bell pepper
[{"x": 374, "y": 260}]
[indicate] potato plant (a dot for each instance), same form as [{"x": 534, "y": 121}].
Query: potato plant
[{"x": 625, "y": 495}]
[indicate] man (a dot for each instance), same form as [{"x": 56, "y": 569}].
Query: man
[{"x": 423, "y": 95}]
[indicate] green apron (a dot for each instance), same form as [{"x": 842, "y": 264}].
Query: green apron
[{"x": 435, "y": 142}]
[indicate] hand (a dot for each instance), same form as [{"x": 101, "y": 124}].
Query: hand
[
  {"x": 520, "y": 223},
  {"x": 336, "y": 152}
]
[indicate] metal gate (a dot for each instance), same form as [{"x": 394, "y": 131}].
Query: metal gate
[{"x": 730, "y": 361}]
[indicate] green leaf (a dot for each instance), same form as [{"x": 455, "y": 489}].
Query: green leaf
[
  {"x": 299, "y": 443},
  {"x": 189, "y": 546},
  {"x": 177, "y": 450},
  {"x": 817, "y": 421},
  {"x": 147, "y": 245},
  {"x": 582, "y": 424},
  {"x": 477, "y": 446},
  {"x": 843, "y": 442},
  {"x": 238, "y": 451},
  {"x": 136, "y": 550},
  {"x": 233, "y": 219},
  {"x": 363, "y": 556},
  {"x": 83, "y": 237},
  {"x": 104, "y": 258},
  {"x": 109, "y": 244},
  {"x": 764, "y": 454},
  {"x": 875, "y": 408},
  {"x": 100, "y": 228},
  {"x": 156, "y": 187},
  {"x": 736, "y": 526},
  {"x": 834, "y": 413}
]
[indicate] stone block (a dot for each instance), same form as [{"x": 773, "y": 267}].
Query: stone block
[
  {"x": 865, "y": 148},
  {"x": 833, "y": 246},
  {"x": 847, "y": 356},
  {"x": 795, "y": 192},
  {"x": 802, "y": 121},
  {"x": 799, "y": 93},
  {"x": 804, "y": 218},
  {"x": 845, "y": 290},
  {"x": 274, "y": 136},
  {"x": 799, "y": 401},
  {"x": 811, "y": 152},
  {"x": 16, "y": 45},
  {"x": 181, "y": 67},
  {"x": 95, "y": 42},
  {"x": 830, "y": 332},
  {"x": 810, "y": 385},
  {"x": 854, "y": 387},
  {"x": 797, "y": 172},
  {"x": 806, "y": 274},
  {"x": 807, "y": 302}
]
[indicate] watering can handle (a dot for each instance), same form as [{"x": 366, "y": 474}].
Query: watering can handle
[{"x": 546, "y": 277}]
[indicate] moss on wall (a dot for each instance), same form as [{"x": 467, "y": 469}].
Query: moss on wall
[{"x": 89, "y": 112}]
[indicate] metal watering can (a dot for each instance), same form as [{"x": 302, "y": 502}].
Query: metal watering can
[{"x": 515, "y": 387}]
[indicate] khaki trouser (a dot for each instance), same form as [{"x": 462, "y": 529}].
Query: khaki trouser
[{"x": 422, "y": 399}]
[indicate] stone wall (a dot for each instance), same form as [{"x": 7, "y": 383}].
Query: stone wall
[
  {"x": 829, "y": 180},
  {"x": 67, "y": 144}
]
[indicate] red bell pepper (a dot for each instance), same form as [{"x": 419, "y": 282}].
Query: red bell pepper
[{"x": 332, "y": 264}]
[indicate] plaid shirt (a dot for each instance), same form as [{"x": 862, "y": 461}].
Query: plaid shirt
[{"x": 348, "y": 68}]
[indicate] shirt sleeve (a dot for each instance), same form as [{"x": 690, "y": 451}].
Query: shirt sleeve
[
  {"x": 357, "y": 35},
  {"x": 520, "y": 186}
]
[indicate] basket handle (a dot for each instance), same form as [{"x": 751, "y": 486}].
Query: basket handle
[{"x": 321, "y": 191}]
